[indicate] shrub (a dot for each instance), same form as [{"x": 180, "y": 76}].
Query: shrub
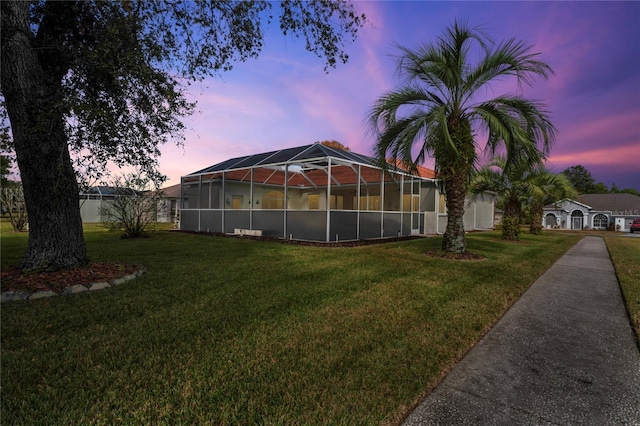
[
  {"x": 510, "y": 228},
  {"x": 133, "y": 208},
  {"x": 12, "y": 204}
]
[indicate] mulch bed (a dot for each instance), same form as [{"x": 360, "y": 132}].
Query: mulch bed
[{"x": 14, "y": 279}]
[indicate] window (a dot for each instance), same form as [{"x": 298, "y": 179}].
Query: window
[
  {"x": 236, "y": 202},
  {"x": 600, "y": 221},
  {"x": 371, "y": 202},
  {"x": 313, "y": 202},
  {"x": 550, "y": 220},
  {"x": 337, "y": 202},
  {"x": 273, "y": 200},
  {"x": 410, "y": 203}
]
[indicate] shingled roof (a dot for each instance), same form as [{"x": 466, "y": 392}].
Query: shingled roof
[{"x": 611, "y": 202}]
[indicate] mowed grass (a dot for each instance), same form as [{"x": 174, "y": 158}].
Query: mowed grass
[
  {"x": 625, "y": 253},
  {"x": 236, "y": 331}
]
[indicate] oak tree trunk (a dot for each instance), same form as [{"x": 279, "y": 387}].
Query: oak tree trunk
[{"x": 32, "y": 94}]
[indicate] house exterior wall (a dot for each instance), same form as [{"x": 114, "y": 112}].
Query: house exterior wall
[
  {"x": 478, "y": 212},
  {"x": 564, "y": 214},
  {"x": 485, "y": 211},
  {"x": 90, "y": 210}
]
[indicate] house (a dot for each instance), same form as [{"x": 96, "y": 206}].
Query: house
[
  {"x": 497, "y": 217},
  {"x": 171, "y": 204},
  {"x": 318, "y": 193},
  {"x": 97, "y": 197},
  {"x": 593, "y": 211}
]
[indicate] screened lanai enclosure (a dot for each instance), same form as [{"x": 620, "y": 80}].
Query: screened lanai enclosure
[{"x": 312, "y": 192}]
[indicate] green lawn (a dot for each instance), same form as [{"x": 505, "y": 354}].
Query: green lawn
[
  {"x": 236, "y": 331},
  {"x": 625, "y": 253}
]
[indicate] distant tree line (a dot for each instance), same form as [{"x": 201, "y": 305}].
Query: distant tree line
[{"x": 584, "y": 183}]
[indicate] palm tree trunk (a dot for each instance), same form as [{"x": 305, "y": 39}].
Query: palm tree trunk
[
  {"x": 454, "y": 239},
  {"x": 511, "y": 220},
  {"x": 455, "y": 171},
  {"x": 536, "y": 219}
]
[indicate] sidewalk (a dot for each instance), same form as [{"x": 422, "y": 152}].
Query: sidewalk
[{"x": 564, "y": 353}]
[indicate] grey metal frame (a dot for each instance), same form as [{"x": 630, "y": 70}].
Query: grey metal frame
[{"x": 301, "y": 169}]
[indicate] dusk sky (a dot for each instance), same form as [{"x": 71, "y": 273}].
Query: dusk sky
[{"x": 284, "y": 98}]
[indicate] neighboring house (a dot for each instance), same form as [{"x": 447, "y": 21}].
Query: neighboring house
[
  {"x": 94, "y": 198},
  {"x": 171, "y": 200},
  {"x": 497, "y": 217},
  {"x": 318, "y": 193},
  {"x": 593, "y": 211}
]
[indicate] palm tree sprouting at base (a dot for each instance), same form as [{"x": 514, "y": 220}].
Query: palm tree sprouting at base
[
  {"x": 521, "y": 184},
  {"x": 440, "y": 108}
]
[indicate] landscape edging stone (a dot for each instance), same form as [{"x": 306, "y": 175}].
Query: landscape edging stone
[{"x": 16, "y": 295}]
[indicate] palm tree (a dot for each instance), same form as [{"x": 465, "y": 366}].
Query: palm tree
[
  {"x": 547, "y": 187},
  {"x": 521, "y": 184},
  {"x": 440, "y": 110}
]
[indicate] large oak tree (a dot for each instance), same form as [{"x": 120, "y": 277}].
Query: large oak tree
[{"x": 100, "y": 81}]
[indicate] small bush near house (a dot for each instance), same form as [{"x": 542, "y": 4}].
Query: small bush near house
[
  {"x": 134, "y": 207},
  {"x": 12, "y": 204}
]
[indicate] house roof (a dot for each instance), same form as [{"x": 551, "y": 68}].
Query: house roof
[
  {"x": 289, "y": 155},
  {"x": 611, "y": 202},
  {"x": 305, "y": 165},
  {"x": 616, "y": 203},
  {"x": 109, "y": 191},
  {"x": 558, "y": 205},
  {"x": 172, "y": 191},
  {"x": 422, "y": 171}
]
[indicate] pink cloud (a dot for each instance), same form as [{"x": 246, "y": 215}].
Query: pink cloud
[
  {"x": 371, "y": 39},
  {"x": 285, "y": 99},
  {"x": 619, "y": 128},
  {"x": 626, "y": 157}
]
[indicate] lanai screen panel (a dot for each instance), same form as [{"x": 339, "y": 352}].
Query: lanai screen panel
[{"x": 311, "y": 192}]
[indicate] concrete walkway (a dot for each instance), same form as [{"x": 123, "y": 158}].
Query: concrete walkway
[{"x": 563, "y": 354}]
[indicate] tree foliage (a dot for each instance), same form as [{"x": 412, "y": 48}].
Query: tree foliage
[
  {"x": 442, "y": 106},
  {"x": 584, "y": 183},
  {"x": 530, "y": 186},
  {"x": 106, "y": 81},
  {"x": 125, "y": 66},
  {"x": 581, "y": 179},
  {"x": 335, "y": 144},
  {"x": 546, "y": 187}
]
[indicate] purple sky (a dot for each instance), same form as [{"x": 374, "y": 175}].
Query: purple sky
[{"x": 284, "y": 98}]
